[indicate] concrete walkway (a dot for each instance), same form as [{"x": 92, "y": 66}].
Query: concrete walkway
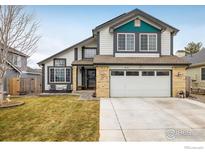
[
  {"x": 86, "y": 94},
  {"x": 151, "y": 119}
]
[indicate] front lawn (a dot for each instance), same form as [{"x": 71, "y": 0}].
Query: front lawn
[{"x": 51, "y": 118}]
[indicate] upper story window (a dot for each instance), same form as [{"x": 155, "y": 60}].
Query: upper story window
[
  {"x": 126, "y": 42},
  {"x": 16, "y": 60},
  {"x": 59, "y": 62},
  {"x": 90, "y": 52},
  {"x": 148, "y": 42}
]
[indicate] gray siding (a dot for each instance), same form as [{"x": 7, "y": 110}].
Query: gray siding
[
  {"x": 9, "y": 74},
  {"x": 23, "y": 62}
]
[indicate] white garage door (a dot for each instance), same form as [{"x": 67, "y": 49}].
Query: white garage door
[{"x": 140, "y": 83}]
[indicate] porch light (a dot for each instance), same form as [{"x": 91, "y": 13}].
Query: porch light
[{"x": 179, "y": 74}]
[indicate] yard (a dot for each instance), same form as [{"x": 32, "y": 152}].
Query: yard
[{"x": 50, "y": 118}]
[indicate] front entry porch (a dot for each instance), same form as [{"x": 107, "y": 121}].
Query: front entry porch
[{"x": 85, "y": 78}]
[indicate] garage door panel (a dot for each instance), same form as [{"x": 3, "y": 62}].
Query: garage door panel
[
  {"x": 140, "y": 86},
  {"x": 118, "y": 86}
]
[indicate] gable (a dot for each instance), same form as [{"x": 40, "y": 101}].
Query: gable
[
  {"x": 91, "y": 41},
  {"x": 130, "y": 27},
  {"x": 133, "y": 14}
]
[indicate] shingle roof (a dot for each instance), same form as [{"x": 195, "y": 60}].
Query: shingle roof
[
  {"x": 73, "y": 46},
  {"x": 110, "y": 60},
  {"x": 163, "y": 60},
  {"x": 136, "y": 12},
  {"x": 196, "y": 59},
  {"x": 12, "y": 50},
  {"x": 83, "y": 62}
]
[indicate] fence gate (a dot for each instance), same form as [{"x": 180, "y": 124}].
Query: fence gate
[
  {"x": 24, "y": 86},
  {"x": 14, "y": 86}
]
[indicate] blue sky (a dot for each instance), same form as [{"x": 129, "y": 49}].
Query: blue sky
[{"x": 62, "y": 26}]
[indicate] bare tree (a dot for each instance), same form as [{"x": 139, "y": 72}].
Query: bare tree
[{"x": 18, "y": 31}]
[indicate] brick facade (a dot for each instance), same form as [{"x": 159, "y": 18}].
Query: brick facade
[
  {"x": 74, "y": 78},
  {"x": 102, "y": 81},
  {"x": 178, "y": 80}
]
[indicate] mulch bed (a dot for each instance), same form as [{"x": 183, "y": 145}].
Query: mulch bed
[{"x": 12, "y": 104}]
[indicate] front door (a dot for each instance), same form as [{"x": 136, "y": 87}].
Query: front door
[{"x": 91, "y": 78}]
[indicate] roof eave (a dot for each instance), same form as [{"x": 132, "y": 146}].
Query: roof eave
[
  {"x": 138, "y": 12},
  {"x": 14, "y": 67},
  {"x": 180, "y": 64},
  {"x": 73, "y": 46}
]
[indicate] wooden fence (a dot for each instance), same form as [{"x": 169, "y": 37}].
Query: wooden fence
[{"x": 24, "y": 86}]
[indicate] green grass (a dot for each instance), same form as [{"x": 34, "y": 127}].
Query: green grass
[{"x": 52, "y": 118}]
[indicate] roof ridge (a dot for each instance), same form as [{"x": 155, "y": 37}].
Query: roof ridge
[{"x": 136, "y": 10}]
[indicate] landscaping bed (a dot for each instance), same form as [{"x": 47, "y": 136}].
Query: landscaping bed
[{"x": 11, "y": 104}]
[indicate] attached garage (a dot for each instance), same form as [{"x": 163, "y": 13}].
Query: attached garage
[{"x": 140, "y": 83}]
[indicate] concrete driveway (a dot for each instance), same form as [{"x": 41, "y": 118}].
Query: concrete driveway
[{"x": 151, "y": 119}]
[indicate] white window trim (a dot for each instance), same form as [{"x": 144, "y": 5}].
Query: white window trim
[
  {"x": 54, "y": 74},
  {"x": 125, "y": 41},
  {"x": 59, "y": 59},
  {"x": 93, "y": 48},
  {"x": 147, "y": 42}
]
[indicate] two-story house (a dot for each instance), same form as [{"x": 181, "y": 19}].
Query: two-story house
[
  {"x": 17, "y": 67},
  {"x": 128, "y": 56}
]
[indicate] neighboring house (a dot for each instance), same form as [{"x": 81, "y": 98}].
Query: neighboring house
[
  {"x": 128, "y": 56},
  {"x": 180, "y": 53},
  {"x": 197, "y": 68},
  {"x": 17, "y": 67}
]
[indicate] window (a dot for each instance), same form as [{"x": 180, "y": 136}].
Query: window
[
  {"x": 51, "y": 74},
  {"x": 90, "y": 52},
  {"x": 148, "y": 42},
  {"x": 132, "y": 73},
  {"x": 203, "y": 74},
  {"x": 162, "y": 73},
  {"x": 117, "y": 73},
  {"x": 16, "y": 60},
  {"x": 76, "y": 53},
  {"x": 147, "y": 73},
  {"x": 59, "y": 75},
  {"x": 126, "y": 42},
  {"x": 68, "y": 75},
  {"x": 59, "y": 62}
]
